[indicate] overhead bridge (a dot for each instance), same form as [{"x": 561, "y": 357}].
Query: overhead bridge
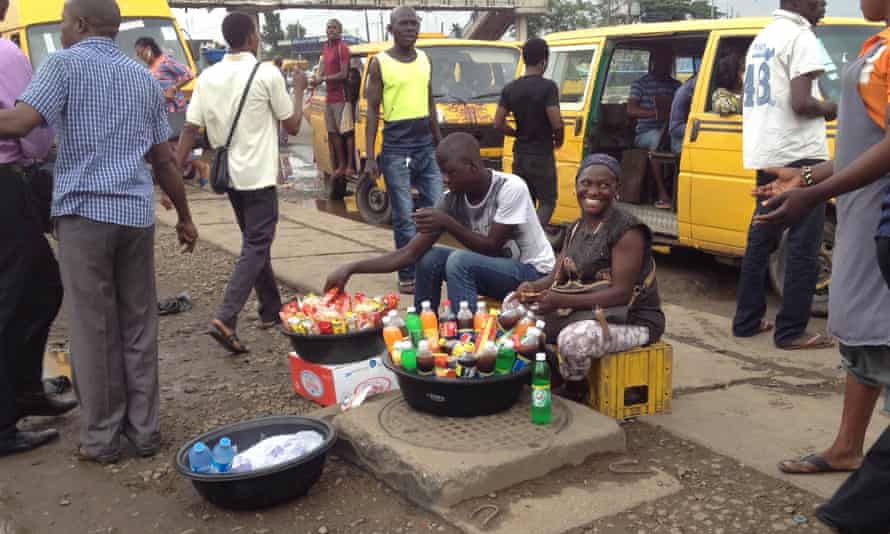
[{"x": 491, "y": 21}]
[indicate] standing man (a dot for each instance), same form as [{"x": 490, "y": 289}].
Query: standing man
[
  {"x": 110, "y": 117},
  {"x": 253, "y": 164},
  {"x": 783, "y": 125},
  {"x": 650, "y": 101},
  {"x": 30, "y": 286},
  {"x": 534, "y": 103},
  {"x": 334, "y": 68},
  {"x": 400, "y": 79}
]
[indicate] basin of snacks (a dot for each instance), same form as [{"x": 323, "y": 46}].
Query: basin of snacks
[
  {"x": 336, "y": 328},
  {"x": 460, "y": 397}
]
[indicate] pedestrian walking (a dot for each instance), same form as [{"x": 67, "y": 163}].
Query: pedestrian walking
[
  {"x": 534, "y": 102},
  {"x": 783, "y": 124},
  {"x": 859, "y": 178},
  {"x": 30, "y": 285},
  {"x": 333, "y": 69},
  {"x": 253, "y": 163},
  {"x": 400, "y": 79},
  {"x": 110, "y": 117}
]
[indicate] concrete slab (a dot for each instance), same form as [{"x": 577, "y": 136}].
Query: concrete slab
[
  {"x": 571, "y": 508},
  {"x": 439, "y": 462},
  {"x": 761, "y": 426},
  {"x": 310, "y": 243},
  {"x": 714, "y": 332},
  {"x": 309, "y": 274},
  {"x": 695, "y": 368}
]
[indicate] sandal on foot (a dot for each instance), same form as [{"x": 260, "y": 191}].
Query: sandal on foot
[
  {"x": 406, "y": 287},
  {"x": 664, "y": 205},
  {"x": 227, "y": 338},
  {"x": 818, "y": 465},
  {"x": 809, "y": 341}
]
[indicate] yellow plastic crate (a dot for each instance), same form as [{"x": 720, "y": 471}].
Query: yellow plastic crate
[{"x": 633, "y": 383}]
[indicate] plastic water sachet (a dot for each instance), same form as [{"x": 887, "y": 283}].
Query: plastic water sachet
[{"x": 277, "y": 450}]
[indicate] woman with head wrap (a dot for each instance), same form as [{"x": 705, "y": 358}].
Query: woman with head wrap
[{"x": 606, "y": 264}]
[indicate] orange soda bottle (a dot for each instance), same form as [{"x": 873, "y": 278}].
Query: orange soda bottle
[
  {"x": 524, "y": 324},
  {"x": 391, "y": 334},
  {"x": 429, "y": 323},
  {"x": 480, "y": 318}
]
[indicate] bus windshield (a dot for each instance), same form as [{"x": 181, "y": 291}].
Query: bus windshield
[
  {"x": 471, "y": 73},
  {"x": 44, "y": 39},
  {"x": 840, "y": 46}
]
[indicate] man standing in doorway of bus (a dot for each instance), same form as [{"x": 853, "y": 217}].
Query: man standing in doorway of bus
[
  {"x": 400, "y": 80},
  {"x": 784, "y": 126},
  {"x": 30, "y": 285},
  {"x": 333, "y": 70},
  {"x": 110, "y": 118},
  {"x": 534, "y": 103}
]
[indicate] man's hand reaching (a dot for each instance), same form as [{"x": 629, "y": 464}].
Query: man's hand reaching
[{"x": 187, "y": 234}]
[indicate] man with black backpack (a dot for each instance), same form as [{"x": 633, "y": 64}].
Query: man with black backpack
[{"x": 240, "y": 103}]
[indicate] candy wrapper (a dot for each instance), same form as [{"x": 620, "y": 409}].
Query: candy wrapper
[{"x": 335, "y": 313}]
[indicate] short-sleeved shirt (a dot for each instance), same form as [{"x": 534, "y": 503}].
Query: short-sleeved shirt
[
  {"x": 680, "y": 108},
  {"x": 528, "y": 98},
  {"x": 507, "y": 202},
  {"x": 253, "y": 154},
  {"x": 646, "y": 90},
  {"x": 108, "y": 112},
  {"x": 17, "y": 73},
  {"x": 874, "y": 88},
  {"x": 169, "y": 73},
  {"x": 773, "y": 134},
  {"x": 335, "y": 56}
]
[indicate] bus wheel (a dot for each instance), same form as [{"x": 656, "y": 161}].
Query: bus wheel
[
  {"x": 373, "y": 203},
  {"x": 334, "y": 187},
  {"x": 777, "y": 268}
]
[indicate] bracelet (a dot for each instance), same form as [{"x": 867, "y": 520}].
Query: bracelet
[{"x": 807, "y": 173}]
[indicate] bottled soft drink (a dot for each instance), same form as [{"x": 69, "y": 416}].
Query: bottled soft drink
[
  {"x": 223, "y": 454},
  {"x": 508, "y": 318},
  {"x": 464, "y": 319},
  {"x": 480, "y": 318},
  {"x": 441, "y": 365},
  {"x": 391, "y": 334},
  {"x": 412, "y": 324},
  {"x": 505, "y": 358},
  {"x": 524, "y": 324},
  {"x": 467, "y": 363},
  {"x": 409, "y": 357},
  {"x": 398, "y": 322},
  {"x": 426, "y": 362},
  {"x": 429, "y": 323},
  {"x": 447, "y": 322},
  {"x": 532, "y": 342},
  {"x": 487, "y": 358},
  {"x": 200, "y": 459},
  {"x": 397, "y": 352},
  {"x": 541, "y": 403}
]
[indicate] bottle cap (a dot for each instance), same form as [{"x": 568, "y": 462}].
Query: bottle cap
[
  {"x": 508, "y": 344},
  {"x": 393, "y": 313},
  {"x": 540, "y": 357},
  {"x": 425, "y": 304},
  {"x": 225, "y": 442},
  {"x": 424, "y": 345},
  {"x": 412, "y": 309},
  {"x": 199, "y": 447},
  {"x": 386, "y": 321},
  {"x": 480, "y": 306},
  {"x": 464, "y": 304},
  {"x": 446, "y": 303},
  {"x": 541, "y": 325}
]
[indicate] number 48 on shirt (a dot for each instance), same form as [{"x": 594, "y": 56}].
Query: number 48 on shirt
[{"x": 757, "y": 80}]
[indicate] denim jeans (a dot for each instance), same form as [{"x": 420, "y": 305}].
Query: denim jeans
[
  {"x": 648, "y": 139},
  {"x": 400, "y": 172},
  {"x": 468, "y": 275},
  {"x": 801, "y": 272}
]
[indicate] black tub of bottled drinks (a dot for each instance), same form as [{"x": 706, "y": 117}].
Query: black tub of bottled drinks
[{"x": 465, "y": 397}]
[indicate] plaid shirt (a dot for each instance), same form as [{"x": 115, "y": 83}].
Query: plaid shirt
[
  {"x": 108, "y": 112},
  {"x": 169, "y": 73}
]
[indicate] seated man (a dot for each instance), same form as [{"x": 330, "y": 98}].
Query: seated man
[
  {"x": 680, "y": 114},
  {"x": 649, "y": 103},
  {"x": 488, "y": 212}
]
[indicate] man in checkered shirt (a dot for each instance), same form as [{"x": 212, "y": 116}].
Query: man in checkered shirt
[{"x": 110, "y": 118}]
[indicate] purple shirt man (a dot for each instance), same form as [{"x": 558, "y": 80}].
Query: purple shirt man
[{"x": 17, "y": 72}]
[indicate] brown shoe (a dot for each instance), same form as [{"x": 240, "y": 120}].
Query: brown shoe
[{"x": 41, "y": 404}]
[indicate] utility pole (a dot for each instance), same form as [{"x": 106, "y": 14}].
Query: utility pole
[{"x": 367, "y": 27}]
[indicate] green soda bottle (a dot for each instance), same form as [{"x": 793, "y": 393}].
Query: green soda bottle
[
  {"x": 409, "y": 359},
  {"x": 412, "y": 324},
  {"x": 541, "y": 404},
  {"x": 506, "y": 357}
]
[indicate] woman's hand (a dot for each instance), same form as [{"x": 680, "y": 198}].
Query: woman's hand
[
  {"x": 524, "y": 292},
  {"x": 547, "y": 301}
]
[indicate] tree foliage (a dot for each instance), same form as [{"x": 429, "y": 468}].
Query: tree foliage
[
  {"x": 295, "y": 31},
  {"x": 272, "y": 31}
]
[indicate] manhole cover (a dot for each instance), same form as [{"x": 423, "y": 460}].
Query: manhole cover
[{"x": 507, "y": 430}]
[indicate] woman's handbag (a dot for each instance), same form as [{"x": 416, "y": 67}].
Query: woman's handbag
[{"x": 220, "y": 180}]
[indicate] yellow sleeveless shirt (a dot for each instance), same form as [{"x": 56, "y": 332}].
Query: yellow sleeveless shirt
[{"x": 405, "y": 87}]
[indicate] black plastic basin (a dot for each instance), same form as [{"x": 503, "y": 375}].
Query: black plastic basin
[
  {"x": 456, "y": 397},
  {"x": 335, "y": 349},
  {"x": 264, "y": 487}
]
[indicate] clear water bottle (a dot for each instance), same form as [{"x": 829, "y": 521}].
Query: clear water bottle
[
  {"x": 201, "y": 459},
  {"x": 223, "y": 454}
]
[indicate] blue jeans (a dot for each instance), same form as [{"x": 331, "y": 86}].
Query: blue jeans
[
  {"x": 801, "y": 273},
  {"x": 649, "y": 139},
  {"x": 468, "y": 275},
  {"x": 400, "y": 172}
]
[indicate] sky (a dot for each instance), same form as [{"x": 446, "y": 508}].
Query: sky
[{"x": 202, "y": 25}]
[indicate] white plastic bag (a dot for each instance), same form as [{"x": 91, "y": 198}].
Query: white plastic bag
[{"x": 277, "y": 450}]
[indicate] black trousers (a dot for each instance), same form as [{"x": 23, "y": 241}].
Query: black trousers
[{"x": 30, "y": 296}]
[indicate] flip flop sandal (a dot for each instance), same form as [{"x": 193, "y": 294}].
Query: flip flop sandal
[
  {"x": 406, "y": 287},
  {"x": 821, "y": 465},
  {"x": 662, "y": 205},
  {"x": 816, "y": 341},
  {"x": 265, "y": 325},
  {"x": 229, "y": 341},
  {"x": 765, "y": 326}
]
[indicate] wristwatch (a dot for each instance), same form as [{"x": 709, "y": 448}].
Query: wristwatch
[{"x": 807, "y": 174}]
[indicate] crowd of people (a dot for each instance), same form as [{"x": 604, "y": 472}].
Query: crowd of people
[{"x": 598, "y": 294}]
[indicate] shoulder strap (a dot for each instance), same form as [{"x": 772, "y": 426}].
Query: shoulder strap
[{"x": 241, "y": 105}]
